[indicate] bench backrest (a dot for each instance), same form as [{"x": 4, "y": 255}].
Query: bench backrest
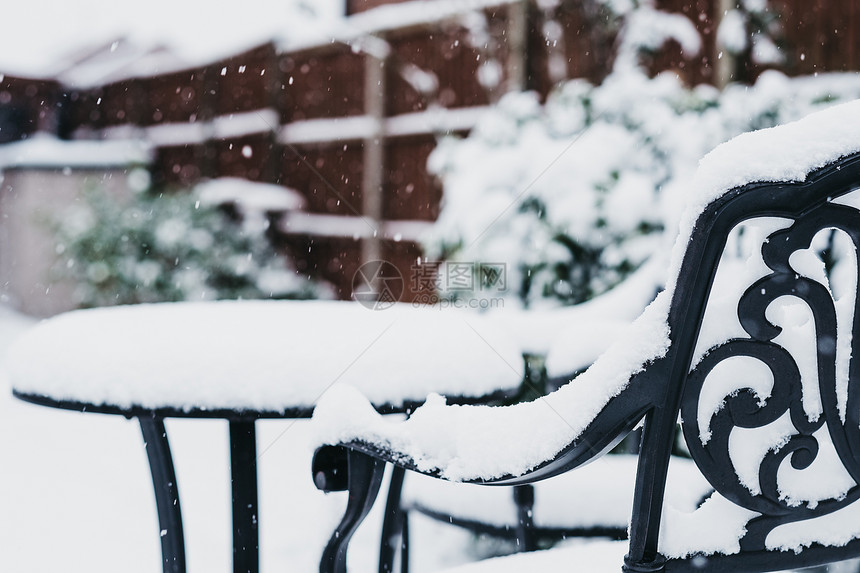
[{"x": 762, "y": 373}]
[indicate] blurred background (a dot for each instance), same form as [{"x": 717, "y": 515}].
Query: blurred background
[{"x": 185, "y": 151}]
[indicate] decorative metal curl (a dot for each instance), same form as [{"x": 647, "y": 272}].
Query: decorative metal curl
[{"x": 744, "y": 409}]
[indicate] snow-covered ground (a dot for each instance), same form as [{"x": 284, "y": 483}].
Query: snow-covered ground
[{"x": 75, "y": 495}]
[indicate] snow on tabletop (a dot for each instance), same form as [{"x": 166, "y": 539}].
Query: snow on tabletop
[
  {"x": 260, "y": 355},
  {"x": 12, "y": 325},
  {"x": 558, "y": 332},
  {"x": 595, "y": 324},
  {"x": 480, "y": 442}
]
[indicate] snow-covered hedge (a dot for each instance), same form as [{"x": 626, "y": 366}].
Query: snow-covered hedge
[
  {"x": 573, "y": 195},
  {"x": 170, "y": 246}
]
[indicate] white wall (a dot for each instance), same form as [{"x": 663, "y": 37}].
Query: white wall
[{"x": 29, "y": 198}]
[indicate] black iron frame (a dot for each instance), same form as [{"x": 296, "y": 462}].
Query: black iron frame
[
  {"x": 658, "y": 393},
  {"x": 526, "y": 535},
  {"x": 243, "y": 467}
]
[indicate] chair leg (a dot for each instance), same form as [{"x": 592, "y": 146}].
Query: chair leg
[
  {"x": 364, "y": 476},
  {"x": 243, "y": 468},
  {"x": 404, "y": 546},
  {"x": 166, "y": 494},
  {"x": 392, "y": 524},
  {"x": 524, "y": 498}
]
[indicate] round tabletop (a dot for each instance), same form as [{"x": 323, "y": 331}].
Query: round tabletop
[{"x": 259, "y": 359}]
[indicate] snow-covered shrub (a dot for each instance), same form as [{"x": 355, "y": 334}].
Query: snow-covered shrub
[
  {"x": 573, "y": 195},
  {"x": 565, "y": 194},
  {"x": 751, "y": 30},
  {"x": 168, "y": 246}
]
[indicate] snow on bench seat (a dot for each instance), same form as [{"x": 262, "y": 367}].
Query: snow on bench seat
[
  {"x": 574, "y": 555},
  {"x": 598, "y": 495},
  {"x": 266, "y": 356}
]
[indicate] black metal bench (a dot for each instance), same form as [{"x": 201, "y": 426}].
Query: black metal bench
[{"x": 764, "y": 443}]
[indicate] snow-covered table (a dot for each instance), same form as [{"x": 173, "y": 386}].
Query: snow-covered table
[{"x": 242, "y": 361}]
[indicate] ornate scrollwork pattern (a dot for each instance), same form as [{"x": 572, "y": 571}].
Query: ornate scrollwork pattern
[{"x": 744, "y": 409}]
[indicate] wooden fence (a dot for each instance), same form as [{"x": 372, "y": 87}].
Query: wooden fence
[{"x": 350, "y": 123}]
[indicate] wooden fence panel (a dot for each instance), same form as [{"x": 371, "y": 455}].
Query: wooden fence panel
[
  {"x": 404, "y": 255},
  {"x": 446, "y": 53},
  {"x": 324, "y": 82},
  {"x": 251, "y": 157},
  {"x": 821, "y": 35},
  {"x": 170, "y": 98},
  {"x": 180, "y": 165},
  {"x": 26, "y": 106},
  {"x": 85, "y": 110},
  {"x": 409, "y": 191},
  {"x": 123, "y": 103},
  {"x": 244, "y": 82},
  {"x": 329, "y": 176},
  {"x": 335, "y": 259},
  {"x": 583, "y": 49}
]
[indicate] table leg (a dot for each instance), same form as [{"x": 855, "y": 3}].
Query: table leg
[
  {"x": 243, "y": 467},
  {"x": 166, "y": 494},
  {"x": 392, "y": 523},
  {"x": 524, "y": 498}
]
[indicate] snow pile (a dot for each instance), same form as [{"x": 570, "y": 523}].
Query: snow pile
[
  {"x": 479, "y": 442},
  {"x": 260, "y": 355},
  {"x": 250, "y": 196},
  {"x": 574, "y": 195},
  {"x": 599, "y": 555},
  {"x": 46, "y": 152},
  {"x": 599, "y": 494}
]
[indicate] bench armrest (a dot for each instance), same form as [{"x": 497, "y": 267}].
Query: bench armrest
[{"x": 501, "y": 443}]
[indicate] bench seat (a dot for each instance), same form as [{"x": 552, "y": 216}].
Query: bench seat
[{"x": 597, "y": 498}]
